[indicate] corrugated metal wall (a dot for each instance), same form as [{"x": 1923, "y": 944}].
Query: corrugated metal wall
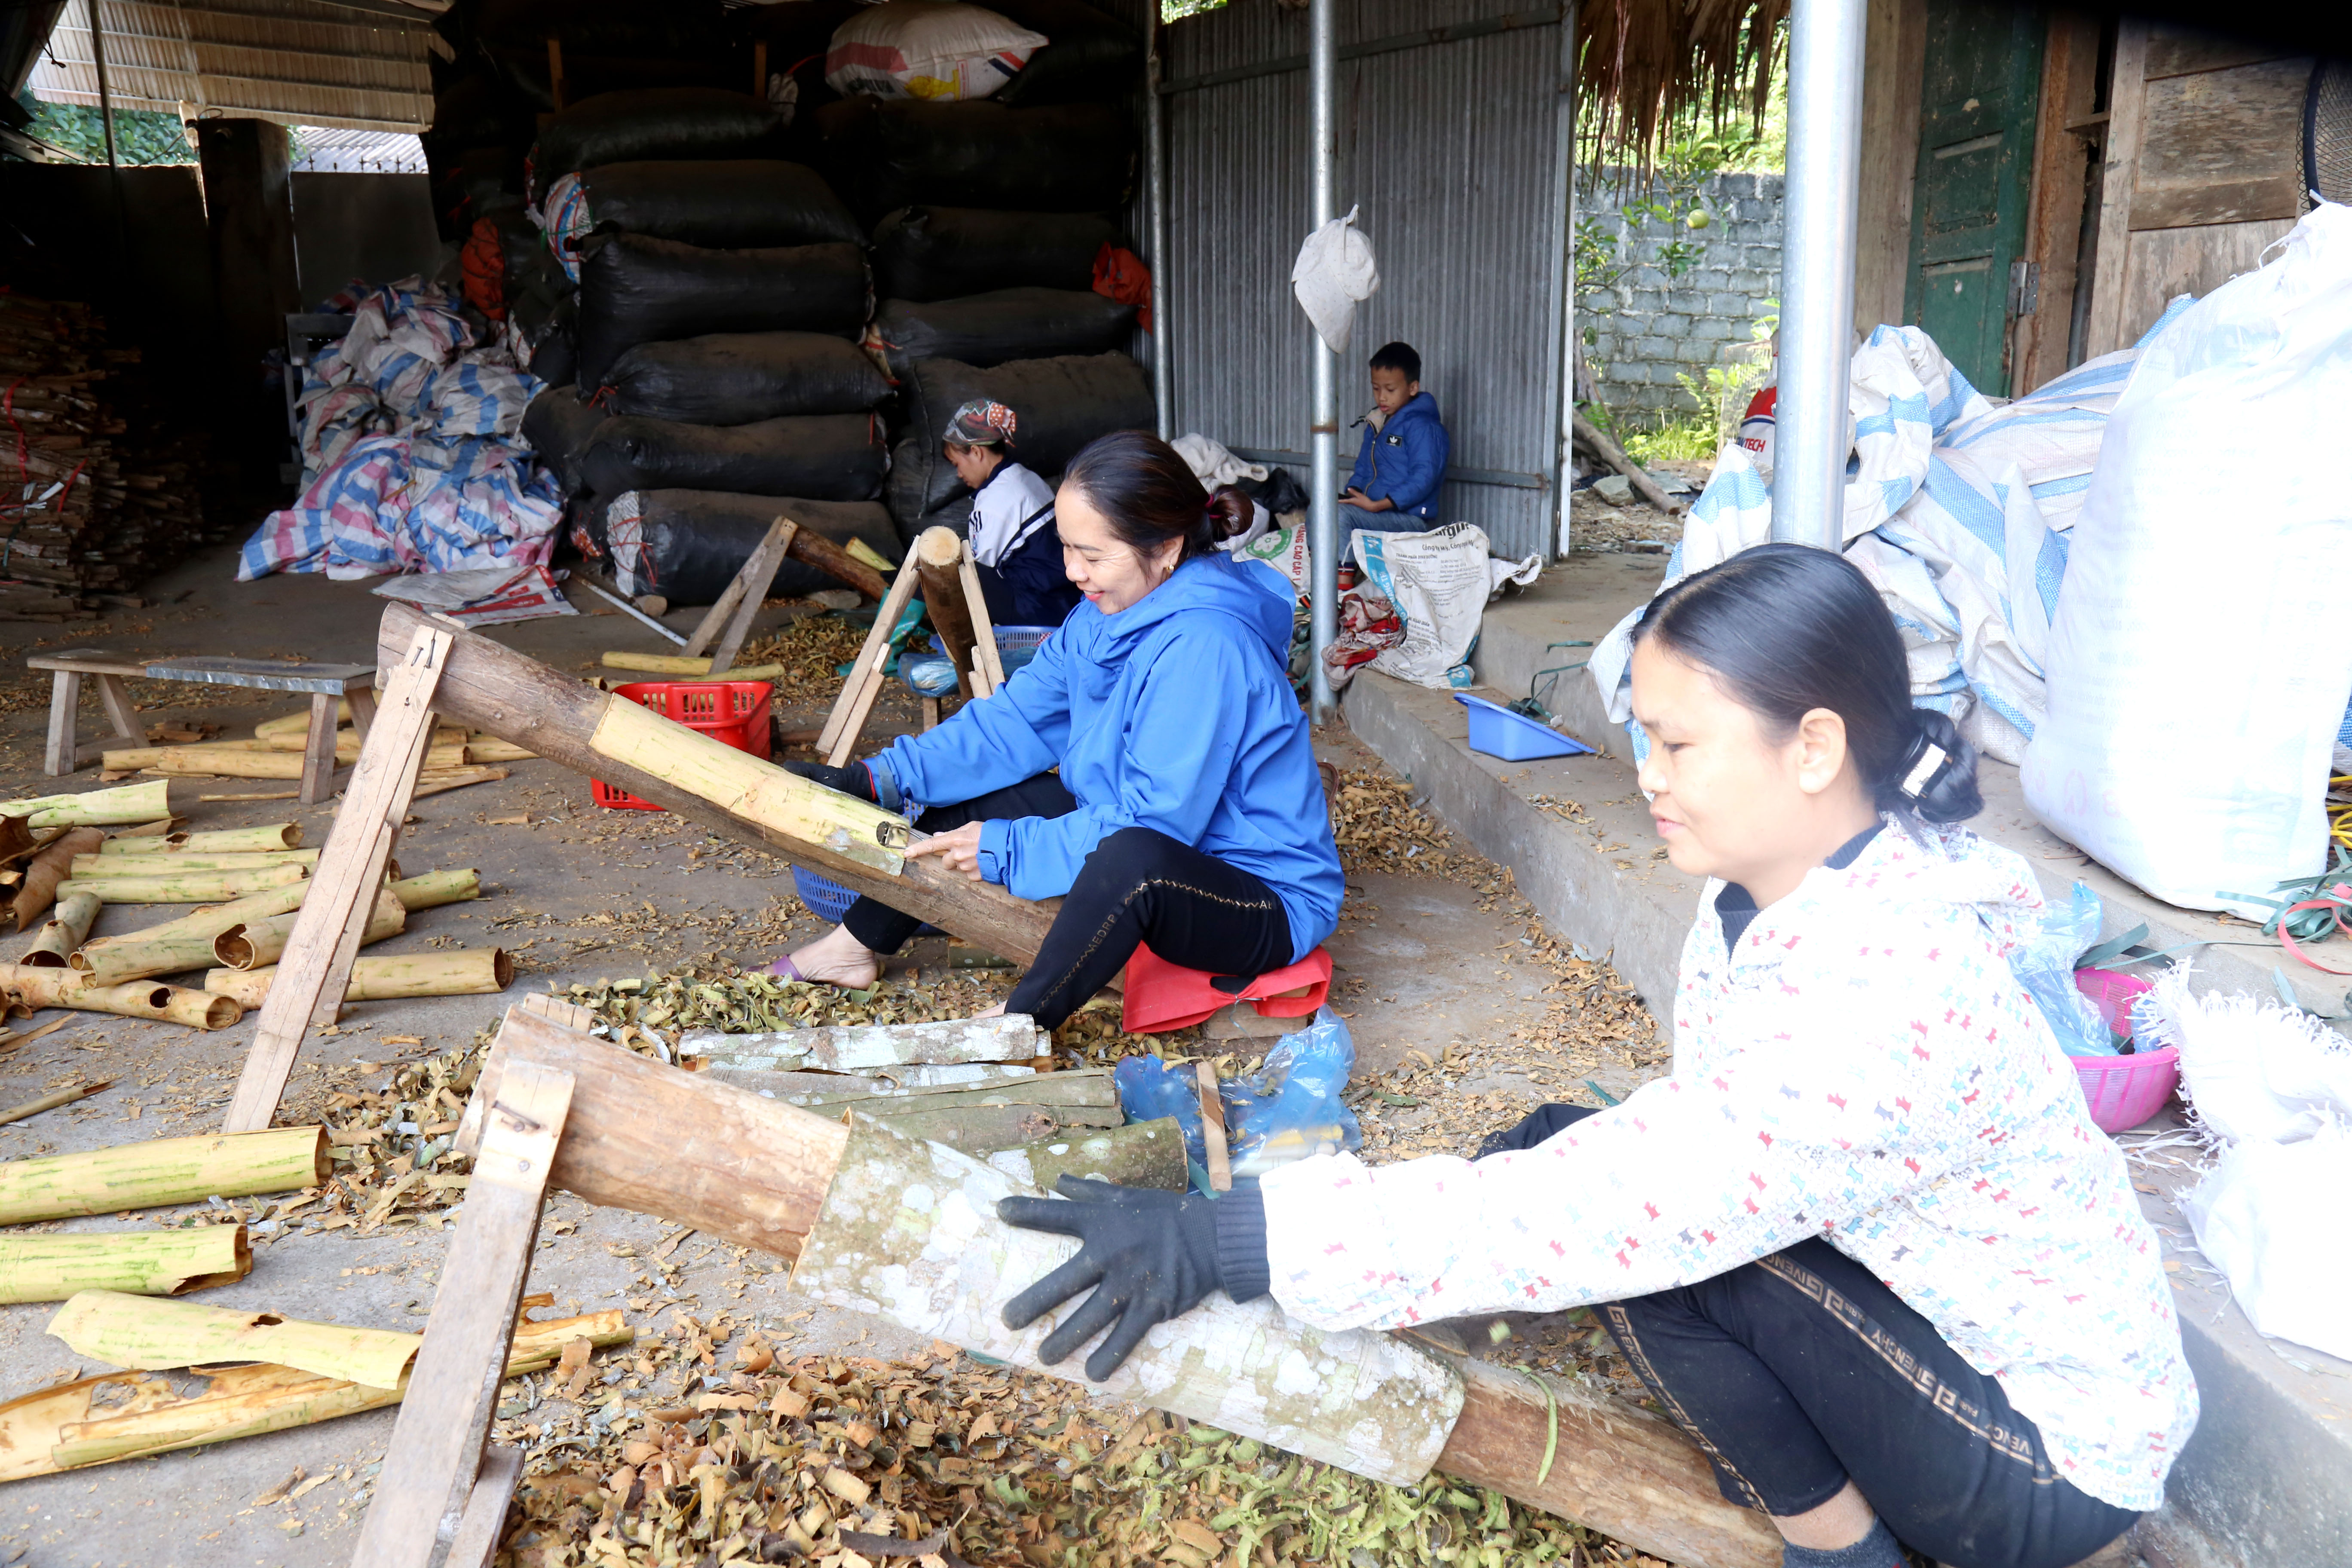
[{"x": 1450, "y": 151}]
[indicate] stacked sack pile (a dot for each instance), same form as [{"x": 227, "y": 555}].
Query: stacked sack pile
[{"x": 704, "y": 300}]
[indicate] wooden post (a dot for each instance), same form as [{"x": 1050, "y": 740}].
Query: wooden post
[
  {"x": 842, "y": 726},
  {"x": 115, "y": 697},
  {"x": 319, "y": 750},
  {"x": 938, "y": 553},
  {"x": 65, "y": 701},
  {"x": 742, "y": 601},
  {"x": 556, "y": 84},
  {"x": 989, "y": 658},
  {"x": 318, "y": 961},
  {"x": 476, "y": 1541},
  {"x": 436, "y": 1454},
  {"x": 514, "y": 698},
  {"x": 2106, "y": 329}
]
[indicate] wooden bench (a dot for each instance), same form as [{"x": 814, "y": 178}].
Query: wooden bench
[{"x": 326, "y": 685}]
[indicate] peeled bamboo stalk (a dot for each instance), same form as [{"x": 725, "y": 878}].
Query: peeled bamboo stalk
[
  {"x": 67, "y": 929},
  {"x": 490, "y": 748},
  {"x": 130, "y": 803},
  {"x": 129, "y": 758},
  {"x": 126, "y": 1329},
  {"x": 194, "y": 887},
  {"x": 183, "y": 944},
  {"x": 164, "y": 1171},
  {"x": 299, "y": 722},
  {"x": 218, "y": 762},
  {"x": 65, "y": 1428},
  {"x": 347, "y": 741},
  {"x": 174, "y": 862},
  {"x": 45, "y": 873},
  {"x": 142, "y": 1262},
  {"x": 657, "y": 663},
  {"x": 445, "y": 779},
  {"x": 134, "y": 999},
  {"x": 477, "y": 972},
  {"x": 63, "y": 1097},
  {"x": 227, "y": 841},
  {"x": 436, "y": 887},
  {"x": 261, "y": 942}
]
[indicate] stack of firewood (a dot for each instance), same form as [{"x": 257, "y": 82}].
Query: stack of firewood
[{"x": 101, "y": 495}]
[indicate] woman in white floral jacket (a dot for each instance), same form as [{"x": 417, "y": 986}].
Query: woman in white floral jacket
[{"x": 1865, "y": 1245}]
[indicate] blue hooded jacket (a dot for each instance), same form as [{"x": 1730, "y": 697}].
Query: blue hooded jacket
[
  {"x": 1403, "y": 461},
  {"x": 1175, "y": 714}
]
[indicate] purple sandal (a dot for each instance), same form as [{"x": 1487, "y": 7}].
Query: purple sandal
[{"x": 785, "y": 969}]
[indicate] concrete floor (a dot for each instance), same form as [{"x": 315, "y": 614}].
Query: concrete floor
[{"x": 1429, "y": 968}]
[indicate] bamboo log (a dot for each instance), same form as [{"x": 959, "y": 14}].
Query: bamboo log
[
  {"x": 261, "y": 942},
  {"x": 142, "y": 1334},
  {"x": 675, "y": 666},
  {"x": 490, "y": 748},
  {"x": 145, "y": 1262},
  {"x": 475, "y": 972},
  {"x": 299, "y": 721},
  {"x": 433, "y": 889},
  {"x": 40, "y": 988},
  {"x": 164, "y": 1171},
  {"x": 129, "y": 758},
  {"x": 67, "y": 929},
  {"x": 53, "y": 1102},
  {"x": 492, "y": 687},
  {"x": 938, "y": 552},
  {"x": 227, "y": 841},
  {"x": 98, "y": 807},
  {"x": 183, "y": 944},
  {"x": 347, "y": 743},
  {"x": 45, "y": 873},
  {"x": 814, "y": 549},
  {"x": 194, "y": 888},
  {"x": 661, "y": 1141},
  {"x": 65, "y": 1428},
  {"x": 174, "y": 862}
]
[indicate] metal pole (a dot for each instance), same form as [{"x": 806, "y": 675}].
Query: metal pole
[
  {"x": 1323, "y": 527},
  {"x": 1817, "y": 254},
  {"x": 1563, "y": 467},
  {"x": 105, "y": 95},
  {"x": 1155, "y": 138}
]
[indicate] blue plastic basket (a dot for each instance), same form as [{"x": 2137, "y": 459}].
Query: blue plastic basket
[
  {"x": 1015, "y": 646},
  {"x": 1514, "y": 737},
  {"x": 827, "y": 900}
]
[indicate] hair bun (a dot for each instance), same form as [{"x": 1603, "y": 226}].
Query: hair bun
[
  {"x": 1230, "y": 513},
  {"x": 1940, "y": 779}
]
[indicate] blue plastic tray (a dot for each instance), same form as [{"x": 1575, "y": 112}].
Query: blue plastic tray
[{"x": 1499, "y": 732}]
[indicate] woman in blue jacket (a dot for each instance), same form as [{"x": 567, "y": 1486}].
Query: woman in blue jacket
[{"x": 1186, "y": 813}]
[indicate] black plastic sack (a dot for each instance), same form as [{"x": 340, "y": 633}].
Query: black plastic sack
[
  {"x": 1279, "y": 492},
  {"x": 824, "y": 457},
  {"x": 948, "y": 253},
  {"x": 985, "y": 330},
  {"x": 651, "y": 123},
  {"x": 1092, "y": 59},
  {"x": 1066, "y": 158},
  {"x": 558, "y": 426},
  {"x": 687, "y": 545},
  {"x": 724, "y": 202},
  {"x": 734, "y": 378},
  {"x": 637, "y": 289},
  {"x": 553, "y": 340},
  {"x": 1060, "y": 403}
]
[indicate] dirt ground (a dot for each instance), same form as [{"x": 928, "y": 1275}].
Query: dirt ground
[{"x": 1465, "y": 1014}]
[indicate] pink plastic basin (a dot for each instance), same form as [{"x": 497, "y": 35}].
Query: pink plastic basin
[{"x": 2123, "y": 1092}]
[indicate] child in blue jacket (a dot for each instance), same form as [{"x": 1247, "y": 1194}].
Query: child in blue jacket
[{"x": 1402, "y": 461}]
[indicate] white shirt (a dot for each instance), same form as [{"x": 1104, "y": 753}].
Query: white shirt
[{"x": 1007, "y": 510}]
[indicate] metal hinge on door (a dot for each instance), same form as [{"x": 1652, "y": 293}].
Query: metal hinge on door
[{"x": 2024, "y": 288}]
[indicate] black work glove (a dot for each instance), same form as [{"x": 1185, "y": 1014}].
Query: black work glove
[
  {"x": 1534, "y": 1128},
  {"x": 1149, "y": 1256},
  {"x": 855, "y": 779}
]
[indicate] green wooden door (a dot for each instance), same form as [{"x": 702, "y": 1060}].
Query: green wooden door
[{"x": 1977, "y": 102}]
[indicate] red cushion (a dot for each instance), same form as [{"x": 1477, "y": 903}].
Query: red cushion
[{"x": 1160, "y": 997}]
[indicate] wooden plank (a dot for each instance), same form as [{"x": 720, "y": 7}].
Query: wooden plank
[
  {"x": 2054, "y": 223},
  {"x": 115, "y": 697},
  {"x": 264, "y": 674},
  {"x": 2118, "y": 165},
  {"x": 436, "y": 1454},
  {"x": 2167, "y": 262},
  {"x": 989, "y": 658},
  {"x": 362, "y": 700},
  {"x": 876, "y": 1047},
  {"x": 316, "y": 968},
  {"x": 485, "y": 1521},
  {"x": 555, "y": 716},
  {"x": 714, "y": 620},
  {"x": 61, "y": 756},
  {"x": 318, "y": 749},
  {"x": 757, "y": 575},
  {"x": 865, "y": 678},
  {"x": 89, "y": 661},
  {"x": 1895, "y": 43},
  {"x": 2221, "y": 146},
  {"x": 2174, "y": 50},
  {"x": 661, "y": 1141},
  {"x": 1213, "y": 1129}
]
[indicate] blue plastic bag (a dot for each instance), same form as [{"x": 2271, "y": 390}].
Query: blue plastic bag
[
  {"x": 1287, "y": 1110},
  {"x": 929, "y": 674},
  {"x": 2046, "y": 970}
]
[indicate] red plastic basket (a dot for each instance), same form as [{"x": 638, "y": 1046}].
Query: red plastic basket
[
  {"x": 2123, "y": 1092},
  {"x": 732, "y": 713}
]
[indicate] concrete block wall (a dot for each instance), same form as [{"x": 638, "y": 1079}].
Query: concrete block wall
[{"x": 1649, "y": 327}]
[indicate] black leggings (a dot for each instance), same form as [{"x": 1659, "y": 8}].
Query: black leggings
[
  {"x": 1137, "y": 886},
  {"x": 1800, "y": 1371}
]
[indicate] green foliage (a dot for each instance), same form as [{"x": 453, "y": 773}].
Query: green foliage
[
  {"x": 1685, "y": 438},
  {"x": 142, "y": 136}
]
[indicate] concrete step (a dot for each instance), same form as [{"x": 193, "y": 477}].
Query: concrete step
[{"x": 2267, "y": 1479}]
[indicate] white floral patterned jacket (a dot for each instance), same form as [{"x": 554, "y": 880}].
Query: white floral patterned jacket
[{"x": 1864, "y": 1068}]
